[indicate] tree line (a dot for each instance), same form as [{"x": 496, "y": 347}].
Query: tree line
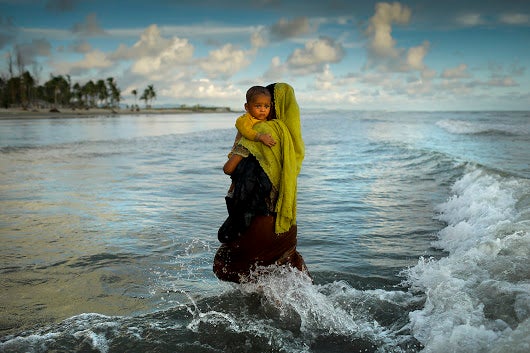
[{"x": 22, "y": 90}]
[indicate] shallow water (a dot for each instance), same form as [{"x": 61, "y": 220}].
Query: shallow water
[{"x": 414, "y": 226}]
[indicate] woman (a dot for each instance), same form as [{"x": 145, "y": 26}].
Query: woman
[{"x": 261, "y": 226}]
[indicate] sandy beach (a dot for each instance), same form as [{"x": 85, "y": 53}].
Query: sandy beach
[{"x": 12, "y": 113}]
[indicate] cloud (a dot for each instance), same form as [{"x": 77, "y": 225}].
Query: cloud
[
  {"x": 167, "y": 60},
  {"x": 415, "y": 56},
  {"x": 289, "y": 29},
  {"x": 315, "y": 54},
  {"x": 456, "y": 72},
  {"x": 258, "y": 38},
  {"x": 313, "y": 58},
  {"x": 501, "y": 82},
  {"x": 382, "y": 50},
  {"x": 470, "y": 19},
  {"x": 37, "y": 47},
  {"x": 89, "y": 28},
  {"x": 201, "y": 89},
  {"x": 81, "y": 46},
  {"x": 226, "y": 61},
  {"x": 324, "y": 80},
  {"x": 154, "y": 56},
  {"x": 276, "y": 70},
  {"x": 93, "y": 60},
  {"x": 515, "y": 19},
  {"x": 8, "y": 31},
  {"x": 379, "y": 30},
  {"x": 152, "y": 44},
  {"x": 60, "y": 5}
]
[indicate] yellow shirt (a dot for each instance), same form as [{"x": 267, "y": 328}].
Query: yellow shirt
[{"x": 245, "y": 125}]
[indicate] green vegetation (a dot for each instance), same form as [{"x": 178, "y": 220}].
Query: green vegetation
[{"x": 24, "y": 91}]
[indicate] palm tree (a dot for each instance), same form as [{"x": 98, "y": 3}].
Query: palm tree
[
  {"x": 27, "y": 85},
  {"x": 150, "y": 94},
  {"x": 77, "y": 93},
  {"x": 89, "y": 90},
  {"x": 115, "y": 93},
  {"x": 102, "y": 93},
  {"x": 134, "y": 93},
  {"x": 58, "y": 91},
  {"x": 144, "y": 97}
]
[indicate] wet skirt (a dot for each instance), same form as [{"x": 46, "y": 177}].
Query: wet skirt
[{"x": 257, "y": 246}]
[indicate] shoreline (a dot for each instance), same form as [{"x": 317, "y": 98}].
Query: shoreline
[{"x": 15, "y": 113}]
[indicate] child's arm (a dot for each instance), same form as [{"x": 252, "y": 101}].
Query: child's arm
[
  {"x": 245, "y": 125},
  {"x": 266, "y": 139},
  {"x": 232, "y": 163}
]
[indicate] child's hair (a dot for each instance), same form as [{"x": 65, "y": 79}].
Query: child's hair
[{"x": 257, "y": 91}]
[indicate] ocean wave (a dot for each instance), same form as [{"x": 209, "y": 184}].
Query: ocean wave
[
  {"x": 281, "y": 311},
  {"x": 462, "y": 127},
  {"x": 477, "y": 298}
]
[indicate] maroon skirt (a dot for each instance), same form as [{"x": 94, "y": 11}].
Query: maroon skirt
[{"x": 258, "y": 246}]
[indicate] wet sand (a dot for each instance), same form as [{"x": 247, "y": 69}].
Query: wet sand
[{"x": 75, "y": 113}]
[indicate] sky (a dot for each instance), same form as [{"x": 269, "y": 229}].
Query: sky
[{"x": 337, "y": 54}]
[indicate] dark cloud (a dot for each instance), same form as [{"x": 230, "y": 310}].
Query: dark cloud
[
  {"x": 81, "y": 47},
  {"x": 7, "y": 31},
  {"x": 88, "y": 28},
  {"x": 37, "y": 47},
  {"x": 290, "y": 28},
  {"x": 61, "y": 5}
]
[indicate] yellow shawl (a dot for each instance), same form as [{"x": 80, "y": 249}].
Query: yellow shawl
[{"x": 282, "y": 162}]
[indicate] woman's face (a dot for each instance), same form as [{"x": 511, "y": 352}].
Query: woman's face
[{"x": 260, "y": 107}]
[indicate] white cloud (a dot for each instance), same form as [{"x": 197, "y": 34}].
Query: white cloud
[
  {"x": 276, "y": 70},
  {"x": 93, "y": 60},
  {"x": 226, "y": 61},
  {"x": 154, "y": 56},
  {"x": 324, "y": 80},
  {"x": 456, "y": 72},
  {"x": 345, "y": 98},
  {"x": 203, "y": 91},
  {"x": 428, "y": 74},
  {"x": 312, "y": 58},
  {"x": 316, "y": 52},
  {"x": 416, "y": 55},
  {"x": 383, "y": 53},
  {"x": 153, "y": 44},
  {"x": 502, "y": 82},
  {"x": 470, "y": 19},
  {"x": 258, "y": 38},
  {"x": 515, "y": 19},
  {"x": 177, "y": 52},
  {"x": 380, "y": 28}
]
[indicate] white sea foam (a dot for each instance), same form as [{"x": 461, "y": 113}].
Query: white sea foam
[
  {"x": 477, "y": 297},
  {"x": 90, "y": 328},
  {"x": 466, "y": 127},
  {"x": 332, "y": 309}
]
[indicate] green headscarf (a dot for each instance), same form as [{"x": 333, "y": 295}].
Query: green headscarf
[{"x": 282, "y": 162}]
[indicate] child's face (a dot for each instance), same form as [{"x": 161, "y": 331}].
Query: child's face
[{"x": 260, "y": 107}]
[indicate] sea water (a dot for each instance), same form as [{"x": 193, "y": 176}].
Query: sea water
[{"x": 414, "y": 226}]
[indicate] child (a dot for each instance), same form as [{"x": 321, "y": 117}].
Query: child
[{"x": 258, "y": 107}]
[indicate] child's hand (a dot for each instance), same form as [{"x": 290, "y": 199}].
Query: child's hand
[{"x": 267, "y": 140}]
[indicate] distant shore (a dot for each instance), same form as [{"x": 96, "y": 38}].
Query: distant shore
[{"x": 13, "y": 113}]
